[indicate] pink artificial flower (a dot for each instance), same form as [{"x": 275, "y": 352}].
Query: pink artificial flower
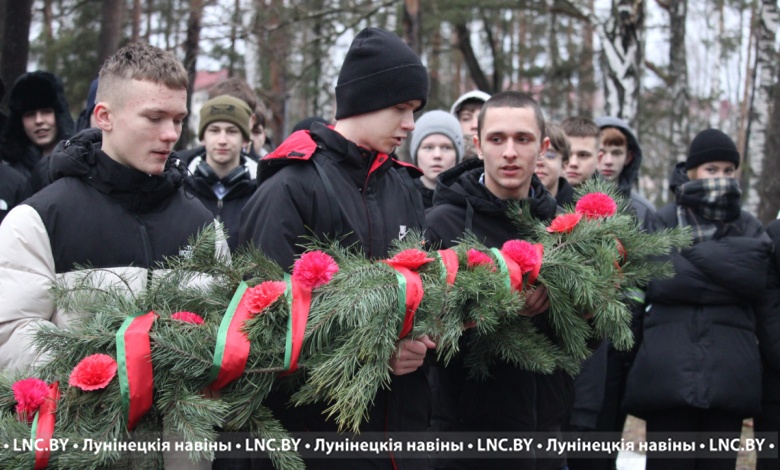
[
  {"x": 29, "y": 395},
  {"x": 410, "y": 259},
  {"x": 188, "y": 317},
  {"x": 596, "y": 206},
  {"x": 522, "y": 253},
  {"x": 477, "y": 258},
  {"x": 314, "y": 269},
  {"x": 263, "y": 295},
  {"x": 93, "y": 372},
  {"x": 564, "y": 223}
]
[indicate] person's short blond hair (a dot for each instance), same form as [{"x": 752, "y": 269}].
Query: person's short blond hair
[{"x": 141, "y": 61}]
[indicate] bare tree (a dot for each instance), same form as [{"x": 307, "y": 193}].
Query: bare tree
[
  {"x": 412, "y": 26},
  {"x": 677, "y": 80},
  {"x": 113, "y": 14},
  {"x": 191, "y": 50},
  {"x": 769, "y": 183},
  {"x": 758, "y": 130},
  {"x": 16, "y": 42}
]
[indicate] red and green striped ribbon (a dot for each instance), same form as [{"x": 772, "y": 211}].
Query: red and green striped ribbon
[
  {"x": 134, "y": 358},
  {"x": 449, "y": 260},
  {"x": 513, "y": 275},
  {"x": 410, "y": 294},
  {"x": 232, "y": 349},
  {"x": 299, "y": 299},
  {"x": 43, "y": 426}
]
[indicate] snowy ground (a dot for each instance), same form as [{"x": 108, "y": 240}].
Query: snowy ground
[{"x": 630, "y": 461}]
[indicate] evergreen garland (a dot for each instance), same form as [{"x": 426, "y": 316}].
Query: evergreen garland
[{"x": 353, "y": 326}]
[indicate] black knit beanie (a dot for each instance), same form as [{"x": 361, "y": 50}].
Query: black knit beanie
[
  {"x": 711, "y": 145},
  {"x": 380, "y": 71}
]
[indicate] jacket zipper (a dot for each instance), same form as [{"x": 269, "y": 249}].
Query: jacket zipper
[{"x": 147, "y": 249}]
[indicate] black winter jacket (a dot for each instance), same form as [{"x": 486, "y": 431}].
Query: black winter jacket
[
  {"x": 769, "y": 324},
  {"x": 319, "y": 183},
  {"x": 240, "y": 187},
  {"x": 14, "y": 189},
  {"x": 699, "y": 332},
  {"x": 507, "y": 402},
  {"x": 134, "y": 219}
]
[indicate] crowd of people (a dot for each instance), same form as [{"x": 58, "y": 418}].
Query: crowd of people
[{"x": 108, "y": 192}]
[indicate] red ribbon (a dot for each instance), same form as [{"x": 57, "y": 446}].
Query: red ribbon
[
  {"x": 534, "y": 274},
  {"x": 299, "y": 316},
  {"x": 235, "y": 346},
  {"x": 414, "y": 294},
  {"x": 450, "y": 260},
  {"x": 45, "y": 426},
  {"x": 138, "y": 361}
]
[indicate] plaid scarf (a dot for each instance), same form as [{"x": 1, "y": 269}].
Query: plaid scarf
[{"x": 707, "y": 205}]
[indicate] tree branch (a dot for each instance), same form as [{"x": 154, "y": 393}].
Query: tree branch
[{"x": 660, "y": 72}]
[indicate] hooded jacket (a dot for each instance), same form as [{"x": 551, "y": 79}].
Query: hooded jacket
[
  {"x": 699, "y": 345},
  {"x": 33, "y": 90},
  {"x": 134, "y": 221},
  {"x": 507, "y": 402},
  {"x": 630, "y": 174},
  {"x": 318, "y": 183}
]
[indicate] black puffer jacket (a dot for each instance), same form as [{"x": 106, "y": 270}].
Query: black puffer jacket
[
  {"x": 508, "y": 401},
  {"x": 96, "y": 213},
  {"x": 41, "y": 89},
  {"x": 769, "y": 324},
  {"x": 699, "y": 332},
  {"x": 14, "y": 189},
  {"x": 319, "y": 183}
]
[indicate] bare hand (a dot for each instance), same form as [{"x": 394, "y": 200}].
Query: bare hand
[
  {"x": 536, "y": 302},
  {"x": 409, "y": 354}
]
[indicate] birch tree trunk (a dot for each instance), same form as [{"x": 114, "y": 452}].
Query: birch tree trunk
[
  {"x": 759, "y": 200},
  {"x": 678, "y": 77},
  {"x": 622, "y": 41}
]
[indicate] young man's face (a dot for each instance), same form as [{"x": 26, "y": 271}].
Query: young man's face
[
  {"x": 436, "y": 154},
  {"x": 509, "y": 144},
  {"x": 385, "y": 129},
  {"x": 40, "y": 126},
  {"x": 141, "y": 127},
  {"x": 583, "y": 160},
  {"x": 223, "y": 141},
  {"x": 612, "y": 160},
  {"x": 549, "y": 168},
  {"x": 468, "y": 117}
]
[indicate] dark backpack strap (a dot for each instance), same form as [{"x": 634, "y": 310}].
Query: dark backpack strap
[
  {"x": 419, "y": 210},
  {"x": 469, "y": 217},
  {"x": 333, "y": 202}
]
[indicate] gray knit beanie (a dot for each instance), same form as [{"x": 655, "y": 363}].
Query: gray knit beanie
[{"x": 437, "y": 122}]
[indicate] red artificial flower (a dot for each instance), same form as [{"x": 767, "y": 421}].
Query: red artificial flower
[
  {"x": 93, "y": 372},
  {"x": 410, "y": 259},
  {"x": 522, "y": 253},
  {"x": 314, "y": 269},
  {"x": 564, "y": 223},
  {"x": 29, "y": 395},
  {"x": 263, "y": 295},
  {"x": 188, "y": 317},
  {"x": 477, "y": 258},
  {"x": 596, "y": 205}
]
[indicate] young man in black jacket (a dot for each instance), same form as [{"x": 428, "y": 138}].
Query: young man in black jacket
[
  {"x": 116, "y": 202},
  {"x": 340, "y": 182},
  {"x": 474, "y": 196}
]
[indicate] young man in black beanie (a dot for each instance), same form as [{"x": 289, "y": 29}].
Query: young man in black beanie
[{"x": 340, "y": 182}]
